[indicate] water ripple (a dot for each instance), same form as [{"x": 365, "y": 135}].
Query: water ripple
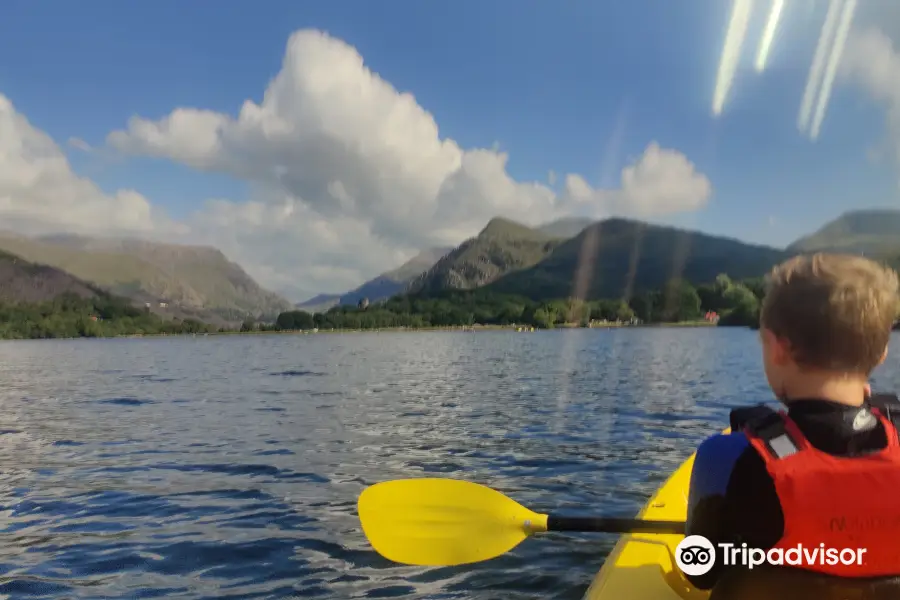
[{"x": 231, "y": 469}]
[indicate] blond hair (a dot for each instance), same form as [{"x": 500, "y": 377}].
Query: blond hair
[{"x": 835, "y": 311}]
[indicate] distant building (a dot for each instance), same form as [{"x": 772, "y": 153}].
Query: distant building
[{"x": 164, "y": 305}]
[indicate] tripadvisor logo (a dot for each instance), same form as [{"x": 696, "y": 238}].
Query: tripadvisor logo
[{"x": 696, "y": 555}]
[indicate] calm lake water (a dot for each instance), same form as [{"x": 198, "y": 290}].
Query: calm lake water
[{"x": 229, "y": 467}]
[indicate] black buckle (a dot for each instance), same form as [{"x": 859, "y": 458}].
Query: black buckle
[{"x": 739, "y": 417}]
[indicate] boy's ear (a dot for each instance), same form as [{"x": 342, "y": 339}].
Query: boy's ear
[{"x": 779, "y": 348}]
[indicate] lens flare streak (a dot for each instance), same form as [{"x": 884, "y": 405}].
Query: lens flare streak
[
  {"x": 817, "y": 68},
  {"x": 834, "y": 60},
  {"x": 734, "y": 40},
  {"x": 765, "y": 45}
]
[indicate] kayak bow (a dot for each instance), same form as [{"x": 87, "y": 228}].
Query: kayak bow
[{"x": 642, "y": 566}]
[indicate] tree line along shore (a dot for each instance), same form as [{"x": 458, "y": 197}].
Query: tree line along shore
[{"x": 722, "y": 302}]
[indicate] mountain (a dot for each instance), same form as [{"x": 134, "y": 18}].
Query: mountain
[
  {"x": 874, "y": 232},
  {"x": 197, "y": 279},
  {"x": 23, "y": 281},
  {"x": 319, "y": 303},
  {"x": 631, "y": 256},
  {"x": 40, "y": 301},
  {"x": 417, "y": 265},
  {"x": 502, "y": 247},
  {"x": 503, "y": 244},
  {"x": 382, "y": 287},
  {"x": 395, "y": 282},
  {"x": 566, "y": 228}
]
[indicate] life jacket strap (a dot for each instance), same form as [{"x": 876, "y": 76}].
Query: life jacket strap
[
  {"x": 773, "y": 430},
  {"x": 782, "y": 437},
  {"x": 769, "y": 426},
  {"x": 889, "y": 406}
]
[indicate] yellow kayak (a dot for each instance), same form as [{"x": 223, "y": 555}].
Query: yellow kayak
[{"x": 642, "y": 566}]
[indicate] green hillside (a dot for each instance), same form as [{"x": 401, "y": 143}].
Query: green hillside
[
  {"x": 191, "y": 278},
  {"x": 25, "y": 282},
  {"x": 630, "y": 256},
  {"x": 502, "y": 247},
  {"x": 874, "y": 232},
  {"x": 39, "y": 301}
]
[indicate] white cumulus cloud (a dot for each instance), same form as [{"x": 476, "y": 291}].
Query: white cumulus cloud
[
  {"x": 661, "y": 182},
  {"x": 40, "y": 193},
  {"x": 353, "y": 175}
]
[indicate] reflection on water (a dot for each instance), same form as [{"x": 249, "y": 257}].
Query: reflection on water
[{"x": 230, "y": 467}]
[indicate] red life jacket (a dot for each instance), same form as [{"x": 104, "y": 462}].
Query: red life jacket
[{"x": 831, "y": 503}]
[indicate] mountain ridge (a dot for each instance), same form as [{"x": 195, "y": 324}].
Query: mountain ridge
[
  {"x": 506, "y": 256},
  {"x": 631, "y": 256},
  {"x": 566, "y": 227},
  {"x": 381, "y": 287},
  {"x": 871, "y": 231},
  {"x": 502, "y": 246},
  {"x": 195, "y": 278},
  {"x": 24, "y": 281}
]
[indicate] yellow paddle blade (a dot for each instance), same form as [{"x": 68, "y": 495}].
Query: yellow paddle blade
[{"x": 442, "y": 522}]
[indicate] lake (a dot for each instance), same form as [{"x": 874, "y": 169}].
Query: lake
[{"x": 229, "y": 467}]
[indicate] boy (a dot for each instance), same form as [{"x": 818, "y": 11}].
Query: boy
[{"x": 832, "y": 462}]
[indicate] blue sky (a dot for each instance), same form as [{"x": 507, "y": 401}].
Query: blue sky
[{"x": 554, "y": 84}]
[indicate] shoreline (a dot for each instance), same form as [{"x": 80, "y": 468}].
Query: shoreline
[
  {"x": 446, "y": 328},
  {"x": 466, "y": 328},
  {"x": 453, "y": 328}
]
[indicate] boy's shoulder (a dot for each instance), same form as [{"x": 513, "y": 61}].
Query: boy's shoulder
[
  {"x": 732, "y": 441},
  {"x": 715, "y": 461}
]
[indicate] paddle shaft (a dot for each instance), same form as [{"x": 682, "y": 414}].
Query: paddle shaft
[{"x": 612, "y": 525}]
